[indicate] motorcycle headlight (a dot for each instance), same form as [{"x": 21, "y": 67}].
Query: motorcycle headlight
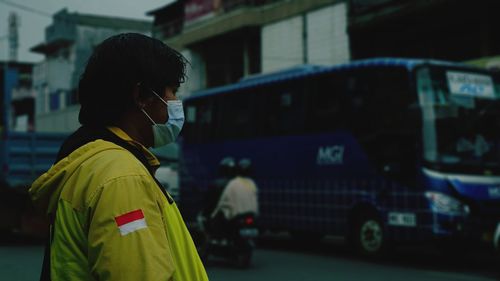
[{"x": 446, "y": 204}]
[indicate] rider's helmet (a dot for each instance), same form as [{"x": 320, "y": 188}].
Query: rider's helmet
[
  {"x": 227, "y": 167},
  {"x": 244, "y": 167}
]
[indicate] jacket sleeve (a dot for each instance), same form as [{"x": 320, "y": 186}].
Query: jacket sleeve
[{"x": 126, "y": 233}]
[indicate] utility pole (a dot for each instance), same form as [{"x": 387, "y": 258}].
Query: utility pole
[{"x": 13, "y": 36}]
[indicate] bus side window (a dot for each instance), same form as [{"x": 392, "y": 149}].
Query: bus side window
[
  {"x": 235, "y": 115},
  {"x": 359, "y": 115},
  {"x": 199, "y": 121},
  {"x": 392, "y": 142},
  {"x": 281, "y": 109},
  {"x": 325, "y": 110}
]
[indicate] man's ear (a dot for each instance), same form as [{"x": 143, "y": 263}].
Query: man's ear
[{"x": 139, "y": 100}]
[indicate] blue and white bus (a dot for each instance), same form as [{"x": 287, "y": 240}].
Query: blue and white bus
[{"x": 378, "y": 151}]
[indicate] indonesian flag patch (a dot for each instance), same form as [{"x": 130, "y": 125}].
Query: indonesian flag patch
[{"x": 131, "y": 221}]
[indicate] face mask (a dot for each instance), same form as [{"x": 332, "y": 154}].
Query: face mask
[{"x": 167, "y": 133}]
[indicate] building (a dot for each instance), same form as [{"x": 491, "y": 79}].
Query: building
[
  {"x": 69, "y": 41},
  {"x": 456, "y": 30},
  {"x": 230, "y": 39},
  {"x": 226, "y": 40},
  {"x": 17, "y": 97}
]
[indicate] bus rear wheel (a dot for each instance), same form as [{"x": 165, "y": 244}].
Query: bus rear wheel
[{"x": 368, "y": 236}]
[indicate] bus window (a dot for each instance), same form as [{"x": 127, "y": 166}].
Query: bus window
[
  {"x": 235, "y": 116},
  {"x": 381, "y": 118},
  {"x": 199, "y": 121},
  {"x": 281, "y": 109},
  {"x": 325, "y": 110},
  {"x": 461, "y": 119}
]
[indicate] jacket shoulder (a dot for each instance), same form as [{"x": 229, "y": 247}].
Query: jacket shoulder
[{"x": 100, "y": 168}]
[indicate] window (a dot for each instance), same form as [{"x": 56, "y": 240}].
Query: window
[
  {"x": 326, "y": 109},
  {"x": 380, "y": 115},
  {"x": 379, "y": 100},
  {"x": 281, "y": 109},
  {"x": 54, "y": 101},
  {"x": 235, "y": 115},
  {"x": 199, "y": 125}
]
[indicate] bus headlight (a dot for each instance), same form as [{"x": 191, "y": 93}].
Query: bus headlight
[{"x": 446, "y": 204}]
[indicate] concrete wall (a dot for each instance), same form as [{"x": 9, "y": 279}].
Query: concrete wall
[
  {"x": 63, "y": 121},
  {"x": 53, "y": 78},
  {"x": 50, "y": 76},
  {"x": 61, "y": 75},
  {"x": 327, "y": 38},
  {"x": 196, "y": 74},
  {"x": 282, "y": 44},
  {"x": 317, "y": 37}
]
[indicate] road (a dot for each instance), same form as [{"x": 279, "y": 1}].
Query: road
[
  {"x": 283, "y": 259},
  {"x": 277, "y": 260}
]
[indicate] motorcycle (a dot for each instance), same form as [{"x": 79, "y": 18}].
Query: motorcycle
[{"x": 233, "y": 239}]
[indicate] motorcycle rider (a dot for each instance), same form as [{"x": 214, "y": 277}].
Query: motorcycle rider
[
  {"x": 228, "y": 228},
  {"x": 239, "y": 196},
  {"x": 227, "y": 171}
]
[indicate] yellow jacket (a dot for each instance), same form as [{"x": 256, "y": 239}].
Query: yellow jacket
[{"x": 111, "y": 220}]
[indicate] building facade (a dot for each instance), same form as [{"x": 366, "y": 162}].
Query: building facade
[
  {"x": 455, "y": 30},
  {"x": 17, "y": 97},
  {"x": 226, "y": 40},
  {"x": 69, "y": 41},
  {"x": 231, "y": 39}
]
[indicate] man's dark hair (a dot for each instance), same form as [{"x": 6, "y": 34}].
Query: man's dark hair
[{"x": 119, "y": 64}]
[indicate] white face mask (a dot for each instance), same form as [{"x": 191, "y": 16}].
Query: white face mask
[{"x": 168, "y": 132}]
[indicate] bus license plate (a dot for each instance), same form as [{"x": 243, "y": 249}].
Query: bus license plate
[{"x": 249, "y": 232}]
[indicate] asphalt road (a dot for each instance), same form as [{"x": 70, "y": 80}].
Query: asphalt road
[{"x": 285, "y": 259}]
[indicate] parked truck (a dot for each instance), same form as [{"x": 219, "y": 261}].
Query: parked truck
[{"x": 23, "y": 157}]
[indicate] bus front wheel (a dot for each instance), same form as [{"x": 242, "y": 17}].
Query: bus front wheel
[{"x": 368, "y": 237}]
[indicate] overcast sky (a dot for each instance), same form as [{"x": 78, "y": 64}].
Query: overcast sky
[{"x": 33, "y": 23}]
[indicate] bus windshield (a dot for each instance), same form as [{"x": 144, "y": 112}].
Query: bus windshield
[{"x": 461, "y": 119}]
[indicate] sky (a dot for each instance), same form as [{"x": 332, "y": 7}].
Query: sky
[{"x": 36, "y": 16}]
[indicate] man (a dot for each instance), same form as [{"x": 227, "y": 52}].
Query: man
[
  {"x": 217, "y": 225},
  {"x": 240, "y": 194},
  {"x": 227, "y": 171},
  {"x": 111, "y": 220}
]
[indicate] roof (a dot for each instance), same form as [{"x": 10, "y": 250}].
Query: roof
[
  {"x": 163, "y": 8},
  {"x": 49, "y": 47},
  {"x": 309, "y": 70},
  {"x": 103, "y": 21}
]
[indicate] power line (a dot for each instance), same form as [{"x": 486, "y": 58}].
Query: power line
[{"x": 26, "y": 8}]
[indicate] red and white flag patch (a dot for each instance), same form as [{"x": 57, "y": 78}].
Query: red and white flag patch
[{"x": 131, "y": 221}]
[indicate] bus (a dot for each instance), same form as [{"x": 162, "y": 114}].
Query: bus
[{"x": 378, "y": 151}]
